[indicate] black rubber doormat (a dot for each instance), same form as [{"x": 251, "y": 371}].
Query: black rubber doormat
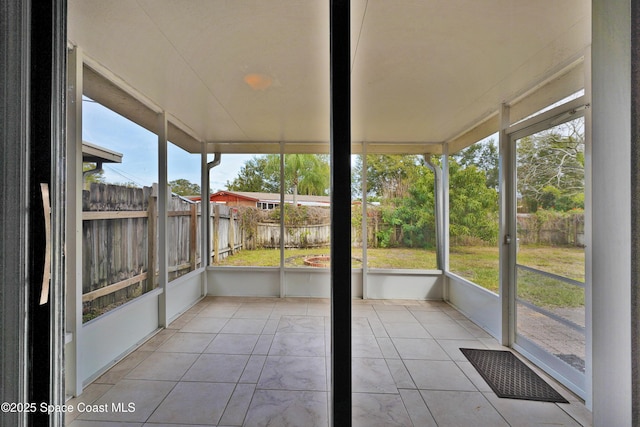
[{"x": 509, "y": 377}]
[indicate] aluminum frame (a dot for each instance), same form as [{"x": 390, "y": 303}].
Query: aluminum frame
[{"x": 547, "y": 120}]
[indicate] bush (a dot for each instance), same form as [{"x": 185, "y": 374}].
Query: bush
[{"x": 301, "y": 215}]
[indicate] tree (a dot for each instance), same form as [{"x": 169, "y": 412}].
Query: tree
[
  {"x": 97, "y": 176},
  {"x": 484, "y": 156},
  {"x": 184, "y": 187},
  {"x": 404, "y": 186},
  {"x": 413, "y": 214},
  {"x": 388, "y": 176},
  {"x": 551, "y": 168},
  {"x": 253, "y": 176},
  {"x": 473, "y": 207},
  {"x": 303, "y": 174}
]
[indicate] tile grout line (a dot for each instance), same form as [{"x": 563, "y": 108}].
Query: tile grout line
[
  {"x": 180, "y": 379},
  {"x": 326, "y": 358}
]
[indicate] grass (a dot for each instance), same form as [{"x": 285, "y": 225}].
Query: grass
[
  {"x": 563, "y": 261},
  {"x": 547, "y": 292},
  {"x": 402, "y": 258},
  {"x": 478, "y": 264},
  {"x": 254, "y": 258}
]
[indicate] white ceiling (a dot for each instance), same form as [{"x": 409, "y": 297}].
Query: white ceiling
[{"x": 258, "y": 70}]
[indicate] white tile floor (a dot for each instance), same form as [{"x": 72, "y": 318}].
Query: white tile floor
[{"x": 266, "y": 362}]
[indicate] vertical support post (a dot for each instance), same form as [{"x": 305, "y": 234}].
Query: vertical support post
[
  {"x": 635, "y": 212},
  {"x": 204, "y": 213},
  {"x": 340, "y": 154},
  {"x": 216, "y": 234},
  {"x": 437, "y": 191},
  {"x": 163, "y": 195},
  {"x": 204, "y": 217},
  {"x": 588, "y": 233},
  {"x": 365, "y": 225},
  {"x": 507, "y": 229},
  {"x": 283, "y": 284},
  {"x": 207, "y": 232},
  {"x": 152, "y": 238},
  {"x": 612, "y": 186},
  {"x": 445, "y": 215},
  {"x": 74, "y": 222},
  {"x": 193, "y": 228}
]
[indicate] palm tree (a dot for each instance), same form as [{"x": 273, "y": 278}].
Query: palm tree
[{"x": 303, "y": 173}]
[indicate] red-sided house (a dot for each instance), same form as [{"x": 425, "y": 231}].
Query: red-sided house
[{"x": 263, "y": 200}]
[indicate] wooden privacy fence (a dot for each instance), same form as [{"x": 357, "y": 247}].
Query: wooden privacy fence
[
  {"x": 120, "y": 240},
  {"x": 120, "y": 243},
  {"x": 295, "y": 236},
  {"x": 551, "y": 229},
  {"x": 227, "y": 235},
  {"x": 183, "y": 236},
  {"x": 115, "y": 230},
  {"x": 255, "y": 228}
]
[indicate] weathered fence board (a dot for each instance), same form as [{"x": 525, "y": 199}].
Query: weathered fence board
[
  {"x": 299, "y": 236},
  {"x": 120, "y": 238},
  {"x": 114, "y": 248},
  {"x": 554, "y": 230},
  {"x": 227, "y": 235},
  {"x": 92, "y": 216},
  {"x": 182, "y": 233},
  {"x": 90, "y": 296}
]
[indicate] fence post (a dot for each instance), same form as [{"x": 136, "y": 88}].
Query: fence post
[
  {"x": 216, "y": 228},
  {"x": 232, "y": 232},
  {"x": 193, "y": 226},
  {"x": 375, "y": 232},
  {"x": 152, "y": 227}
]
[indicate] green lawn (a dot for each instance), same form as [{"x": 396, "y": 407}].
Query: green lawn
[
  {"x": 402, "y": 258},
  {"x": 254, "y": 258},
  {"x": 478, "y": 264}
]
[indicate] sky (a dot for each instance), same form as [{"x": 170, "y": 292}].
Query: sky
[
  {"x": 138, "y": 146},
  {"x": 103, "y": 127}
]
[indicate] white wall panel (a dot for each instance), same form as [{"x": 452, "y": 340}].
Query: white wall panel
[
  {"x": 183, "y": 293},
  {"x": 316, "y": 283},
  {"x": 397, "y": 284},
  {"x": 108, "y": 338},
  {"x": 239, "y": 281},
  {"x": 478, "y": 304},
  {"x": 265, "y": 282},
  {"x": 307, "y": 282}
]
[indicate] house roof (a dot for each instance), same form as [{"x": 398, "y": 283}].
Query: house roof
[
  {"x": 275, "y": 197},
  {"x": 92, "y": 153},
  {"x": 246, "y": 196},
  {"x": 243, "y": 76}
]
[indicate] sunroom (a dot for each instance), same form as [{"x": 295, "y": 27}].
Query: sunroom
[{"x": 463, "y": 159}]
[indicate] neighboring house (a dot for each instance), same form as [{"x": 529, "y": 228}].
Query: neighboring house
[
  {"x": 264, "y": 200},
  {"x": 92, "y": 153}
]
